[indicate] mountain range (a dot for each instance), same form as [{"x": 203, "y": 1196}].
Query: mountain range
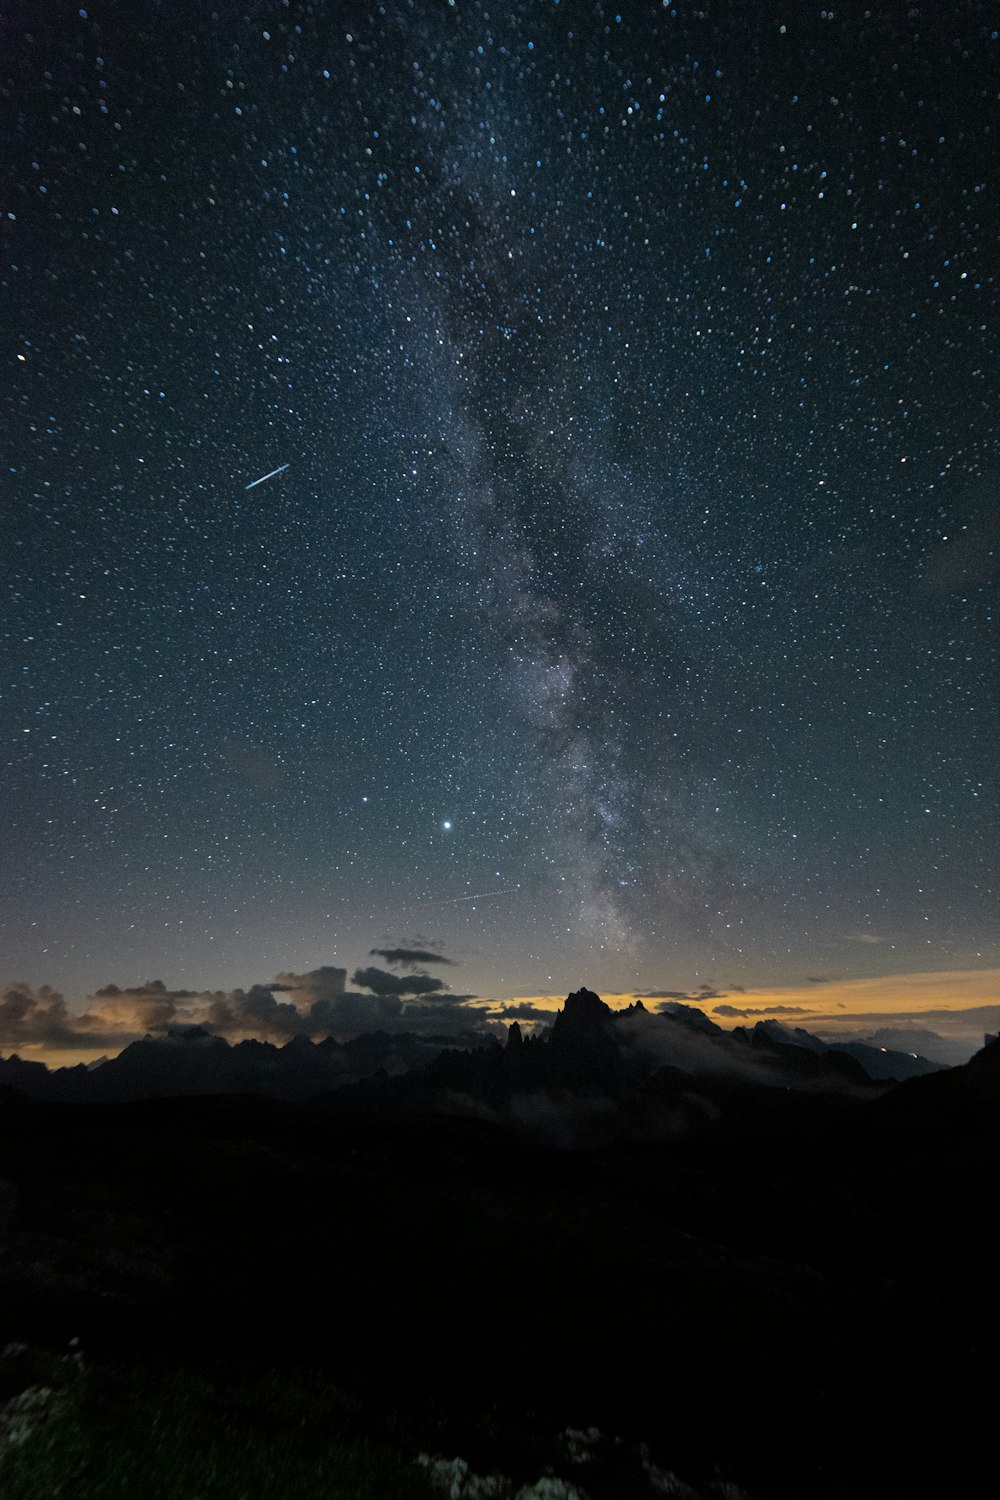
[{"x": 589, "y": 1046}]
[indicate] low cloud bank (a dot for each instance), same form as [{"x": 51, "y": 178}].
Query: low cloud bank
[
  {"x": 758, "y": 1012},
  {"x": 316, "y": 1004}
]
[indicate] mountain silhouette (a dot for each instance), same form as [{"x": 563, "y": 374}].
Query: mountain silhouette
[
  {"x": 191, "y": 1061},
  {"x": 590, "y": 1051}
]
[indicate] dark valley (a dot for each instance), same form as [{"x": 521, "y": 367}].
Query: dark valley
[{"x": 735, "y": 1255}]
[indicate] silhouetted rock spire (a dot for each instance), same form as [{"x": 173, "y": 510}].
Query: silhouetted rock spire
[
  {"x": 584, "y": 1048},
  {"x": 583, "y": 1013}
]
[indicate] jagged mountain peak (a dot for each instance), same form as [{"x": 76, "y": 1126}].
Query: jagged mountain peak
[{"x": 582, "y": 1011}]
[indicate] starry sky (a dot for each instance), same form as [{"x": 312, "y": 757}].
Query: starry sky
[{"x": 623, "y": 612}]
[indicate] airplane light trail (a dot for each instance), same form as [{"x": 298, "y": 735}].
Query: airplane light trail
[{"x": 255, "y": 482}]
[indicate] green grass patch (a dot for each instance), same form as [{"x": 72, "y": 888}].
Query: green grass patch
[{"x": 194, "y": 1436}]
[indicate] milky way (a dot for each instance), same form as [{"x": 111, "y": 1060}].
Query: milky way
[{"x": 619, "y": 605}]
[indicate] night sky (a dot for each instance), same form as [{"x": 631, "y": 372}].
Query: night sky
[{"x": 624, "y": 615}]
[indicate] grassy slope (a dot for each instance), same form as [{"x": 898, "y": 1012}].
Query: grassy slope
[{"x": 184, "y": 1434}]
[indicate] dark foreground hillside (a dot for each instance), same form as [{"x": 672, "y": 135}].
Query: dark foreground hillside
[{"x": 792, "y": 1293}]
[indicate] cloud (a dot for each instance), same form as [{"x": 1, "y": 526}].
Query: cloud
[
  {"x": 684, "y": 1037},
  {"x": 918, "y": 1039},
  {"x": 951, "y": 1022},
  {"x": 152, "y": 988},
  {"x": 958, "y": 1036},
  {"x": 818, "y": 979},
  {"x": 325, "y": 983},
  {"x": 523, "y": 1010},
  {"x": 38, "y": 1021},
  {"x": 352, "y": 1014},
  {"x": 734, "y": 1012},
  {"x": 956, "y": 1002},
  {"x": 32, "y": 1017},
  {"x": 396, "y": 984},
  {"x": 254, "y": 1011},
  {"x": 405, "y": 958},
  {"x": 327, "y": 1008},
  {"x": 34, "y": 1020},
  {"x": 446, "y": 1008},
  {"x": 449, "y": 999},
  {"x": 703, "y": 992},
  {"x": 136, "y": 1009}
]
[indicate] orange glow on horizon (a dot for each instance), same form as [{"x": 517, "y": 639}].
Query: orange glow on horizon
[
  {"x": 946, "y": 1001},
  {"x": 960, "y": 1004}
]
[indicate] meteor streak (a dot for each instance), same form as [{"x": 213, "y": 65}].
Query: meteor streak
[
  {"x": 507, "y": 890},
  {"x": 255, "y": 482}
]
